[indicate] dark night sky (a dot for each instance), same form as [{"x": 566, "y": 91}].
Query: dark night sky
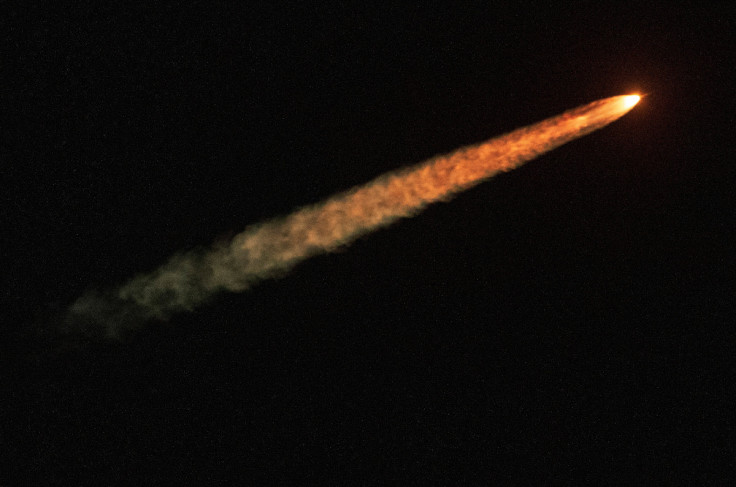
[{"x": 571, "y": 320}]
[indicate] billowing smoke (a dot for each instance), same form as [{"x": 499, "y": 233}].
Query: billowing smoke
[{"x": 271, "y": 248}]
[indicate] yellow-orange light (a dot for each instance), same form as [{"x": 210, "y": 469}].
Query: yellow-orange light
[{"x": 631, "y": 100}]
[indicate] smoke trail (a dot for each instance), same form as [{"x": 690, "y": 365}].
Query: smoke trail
[{"x": 272, "y": 248}]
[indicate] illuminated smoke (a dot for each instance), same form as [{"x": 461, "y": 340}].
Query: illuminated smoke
[{"x": 271, "y": 248}]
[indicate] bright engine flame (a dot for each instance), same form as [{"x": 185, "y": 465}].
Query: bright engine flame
[{"x": 631, "y": 100}]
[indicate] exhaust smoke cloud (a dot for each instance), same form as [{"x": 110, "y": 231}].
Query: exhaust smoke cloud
[{"x": 271, "y": 248}]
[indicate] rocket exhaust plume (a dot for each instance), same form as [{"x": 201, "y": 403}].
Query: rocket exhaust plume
[{"x": 271, "y": 248}]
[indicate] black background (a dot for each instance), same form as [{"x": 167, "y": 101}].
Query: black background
[{"x": 573, "y": 319}]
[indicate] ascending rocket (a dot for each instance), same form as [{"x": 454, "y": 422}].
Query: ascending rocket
[{"x": 271, "y": 248}]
